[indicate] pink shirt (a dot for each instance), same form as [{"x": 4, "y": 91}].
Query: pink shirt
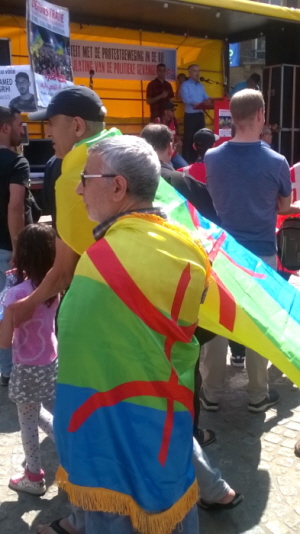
[{"x": 34, "y": 342}]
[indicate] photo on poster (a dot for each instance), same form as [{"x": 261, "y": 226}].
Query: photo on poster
[
  {"x": 48, "y": 38},
  {"x": 17, "y": 88},
  {"x": 50, "y": 53},
  {"x": 225, "y": 123}
]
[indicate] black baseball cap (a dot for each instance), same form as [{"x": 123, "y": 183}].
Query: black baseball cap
[
  {"x": 205, "y": 137},
  {"x": 75, "y": 101},
  {"x": 168, "y": 105}
]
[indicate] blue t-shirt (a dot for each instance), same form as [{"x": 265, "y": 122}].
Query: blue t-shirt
[
  {"x": 238, "y": 87},
  {"x": 244, "y": 181}
]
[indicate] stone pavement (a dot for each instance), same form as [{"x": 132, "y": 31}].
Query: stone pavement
[{"x": 253, "y": 451}]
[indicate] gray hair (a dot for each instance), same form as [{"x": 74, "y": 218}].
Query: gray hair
[
  {"x": 133, "y": 158},
  {"x": 94, "y": 127},
  {"x": 193, "y": 65}
]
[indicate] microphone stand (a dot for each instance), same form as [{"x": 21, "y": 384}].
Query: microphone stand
[
  {"x": 224, "y": 85},
  {"x": 92, "y": 72}
]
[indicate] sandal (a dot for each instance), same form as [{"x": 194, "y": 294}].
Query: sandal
[
  {"x": 219, "y": 506},
  {"x": 199, "y": 435}
]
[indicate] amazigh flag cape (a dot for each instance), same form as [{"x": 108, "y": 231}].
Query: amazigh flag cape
[
  {"x": 124, "y": 419},
  {"x": 247, "y": 301}
]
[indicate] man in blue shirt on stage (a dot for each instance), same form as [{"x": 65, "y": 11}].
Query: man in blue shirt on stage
[
  {"x": 193, "y": 94},
  {"x": 252, "y": 83}
]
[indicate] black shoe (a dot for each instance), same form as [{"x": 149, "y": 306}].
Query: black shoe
[
  {"x": 209, "y": 406},
  {"x": 4, "y": 380},
  {"x": 237, "y": 361},
  {"x": 271, "y": 398},
  {"x": 199, "y": 435},
  {"x": 238, "y": 499}
]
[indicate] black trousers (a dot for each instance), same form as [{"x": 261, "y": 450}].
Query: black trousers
[{"x": 192, "y": 123}]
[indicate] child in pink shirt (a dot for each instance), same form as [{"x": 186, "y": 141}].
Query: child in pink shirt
[{"x": 34, "y": 347}]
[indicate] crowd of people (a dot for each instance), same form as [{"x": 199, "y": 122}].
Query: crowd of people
[
  {"x": 48, "y": 62},
  {"x": 121, "y": 356}
]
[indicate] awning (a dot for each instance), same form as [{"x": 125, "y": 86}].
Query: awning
[{"x": 214, "y": 19}]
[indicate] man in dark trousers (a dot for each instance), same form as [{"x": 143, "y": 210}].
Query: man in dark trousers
[
  {"x": 159, "y": 91},
  {"x": 193, "y": 95}
]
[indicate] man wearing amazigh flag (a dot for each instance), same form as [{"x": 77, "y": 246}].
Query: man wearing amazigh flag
[{"x": 124, "y": 437}]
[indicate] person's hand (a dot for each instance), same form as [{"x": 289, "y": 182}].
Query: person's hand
[
  {"x": 22, "y": 311},
  {"x": 12, "y": 259},
  {"x": 164, "y": 94}
]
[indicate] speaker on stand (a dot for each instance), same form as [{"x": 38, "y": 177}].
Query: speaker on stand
[{"x": 281, "y": 85}]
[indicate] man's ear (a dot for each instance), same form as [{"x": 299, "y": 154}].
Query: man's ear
[
  {"x": 261, "y": 114},
  {"x": 120, "y": 188},
  {"x": 6, "y": 128},
  {"x": 170, "y": 149},
  {"x": 79, "y": 126}
]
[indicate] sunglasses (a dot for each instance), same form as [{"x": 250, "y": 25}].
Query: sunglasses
[{"x": 85, "y": 177}]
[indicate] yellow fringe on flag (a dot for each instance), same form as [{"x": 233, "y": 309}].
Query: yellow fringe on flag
[{"x": 104, "y": 500}]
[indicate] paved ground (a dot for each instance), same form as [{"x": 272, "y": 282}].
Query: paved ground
[{"x": 254, "y": 452}]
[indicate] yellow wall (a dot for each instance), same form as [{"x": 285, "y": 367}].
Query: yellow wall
[{"x": 124, "y": 99}]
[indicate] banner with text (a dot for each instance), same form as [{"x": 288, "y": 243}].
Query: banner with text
[
  {"x": 123, "y": 62},
  {"x": 17, "y": 88},
  {"x": 48, "y": 36}
]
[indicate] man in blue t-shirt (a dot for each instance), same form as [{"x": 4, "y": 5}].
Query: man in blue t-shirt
[
  {"x": 252, "y": 83},
  {"x": 249, "y": 183}
]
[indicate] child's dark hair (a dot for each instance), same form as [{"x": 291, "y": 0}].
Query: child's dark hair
[{"x": 35, "y": 253}]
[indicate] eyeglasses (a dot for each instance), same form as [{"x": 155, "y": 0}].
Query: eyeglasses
[{"x": 85, "y": 177}]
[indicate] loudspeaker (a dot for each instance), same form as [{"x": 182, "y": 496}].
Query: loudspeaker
[
  {"x": 283, "y": 44},
  {"x": 5, "y": 55},
  {"x": 281, "y": 86},
  {"x": 287, "y": 142}
]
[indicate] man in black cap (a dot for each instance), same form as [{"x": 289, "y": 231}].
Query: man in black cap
[
  {"x": 75, "y": 115},
  {"x": 202, "y": 141}
]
